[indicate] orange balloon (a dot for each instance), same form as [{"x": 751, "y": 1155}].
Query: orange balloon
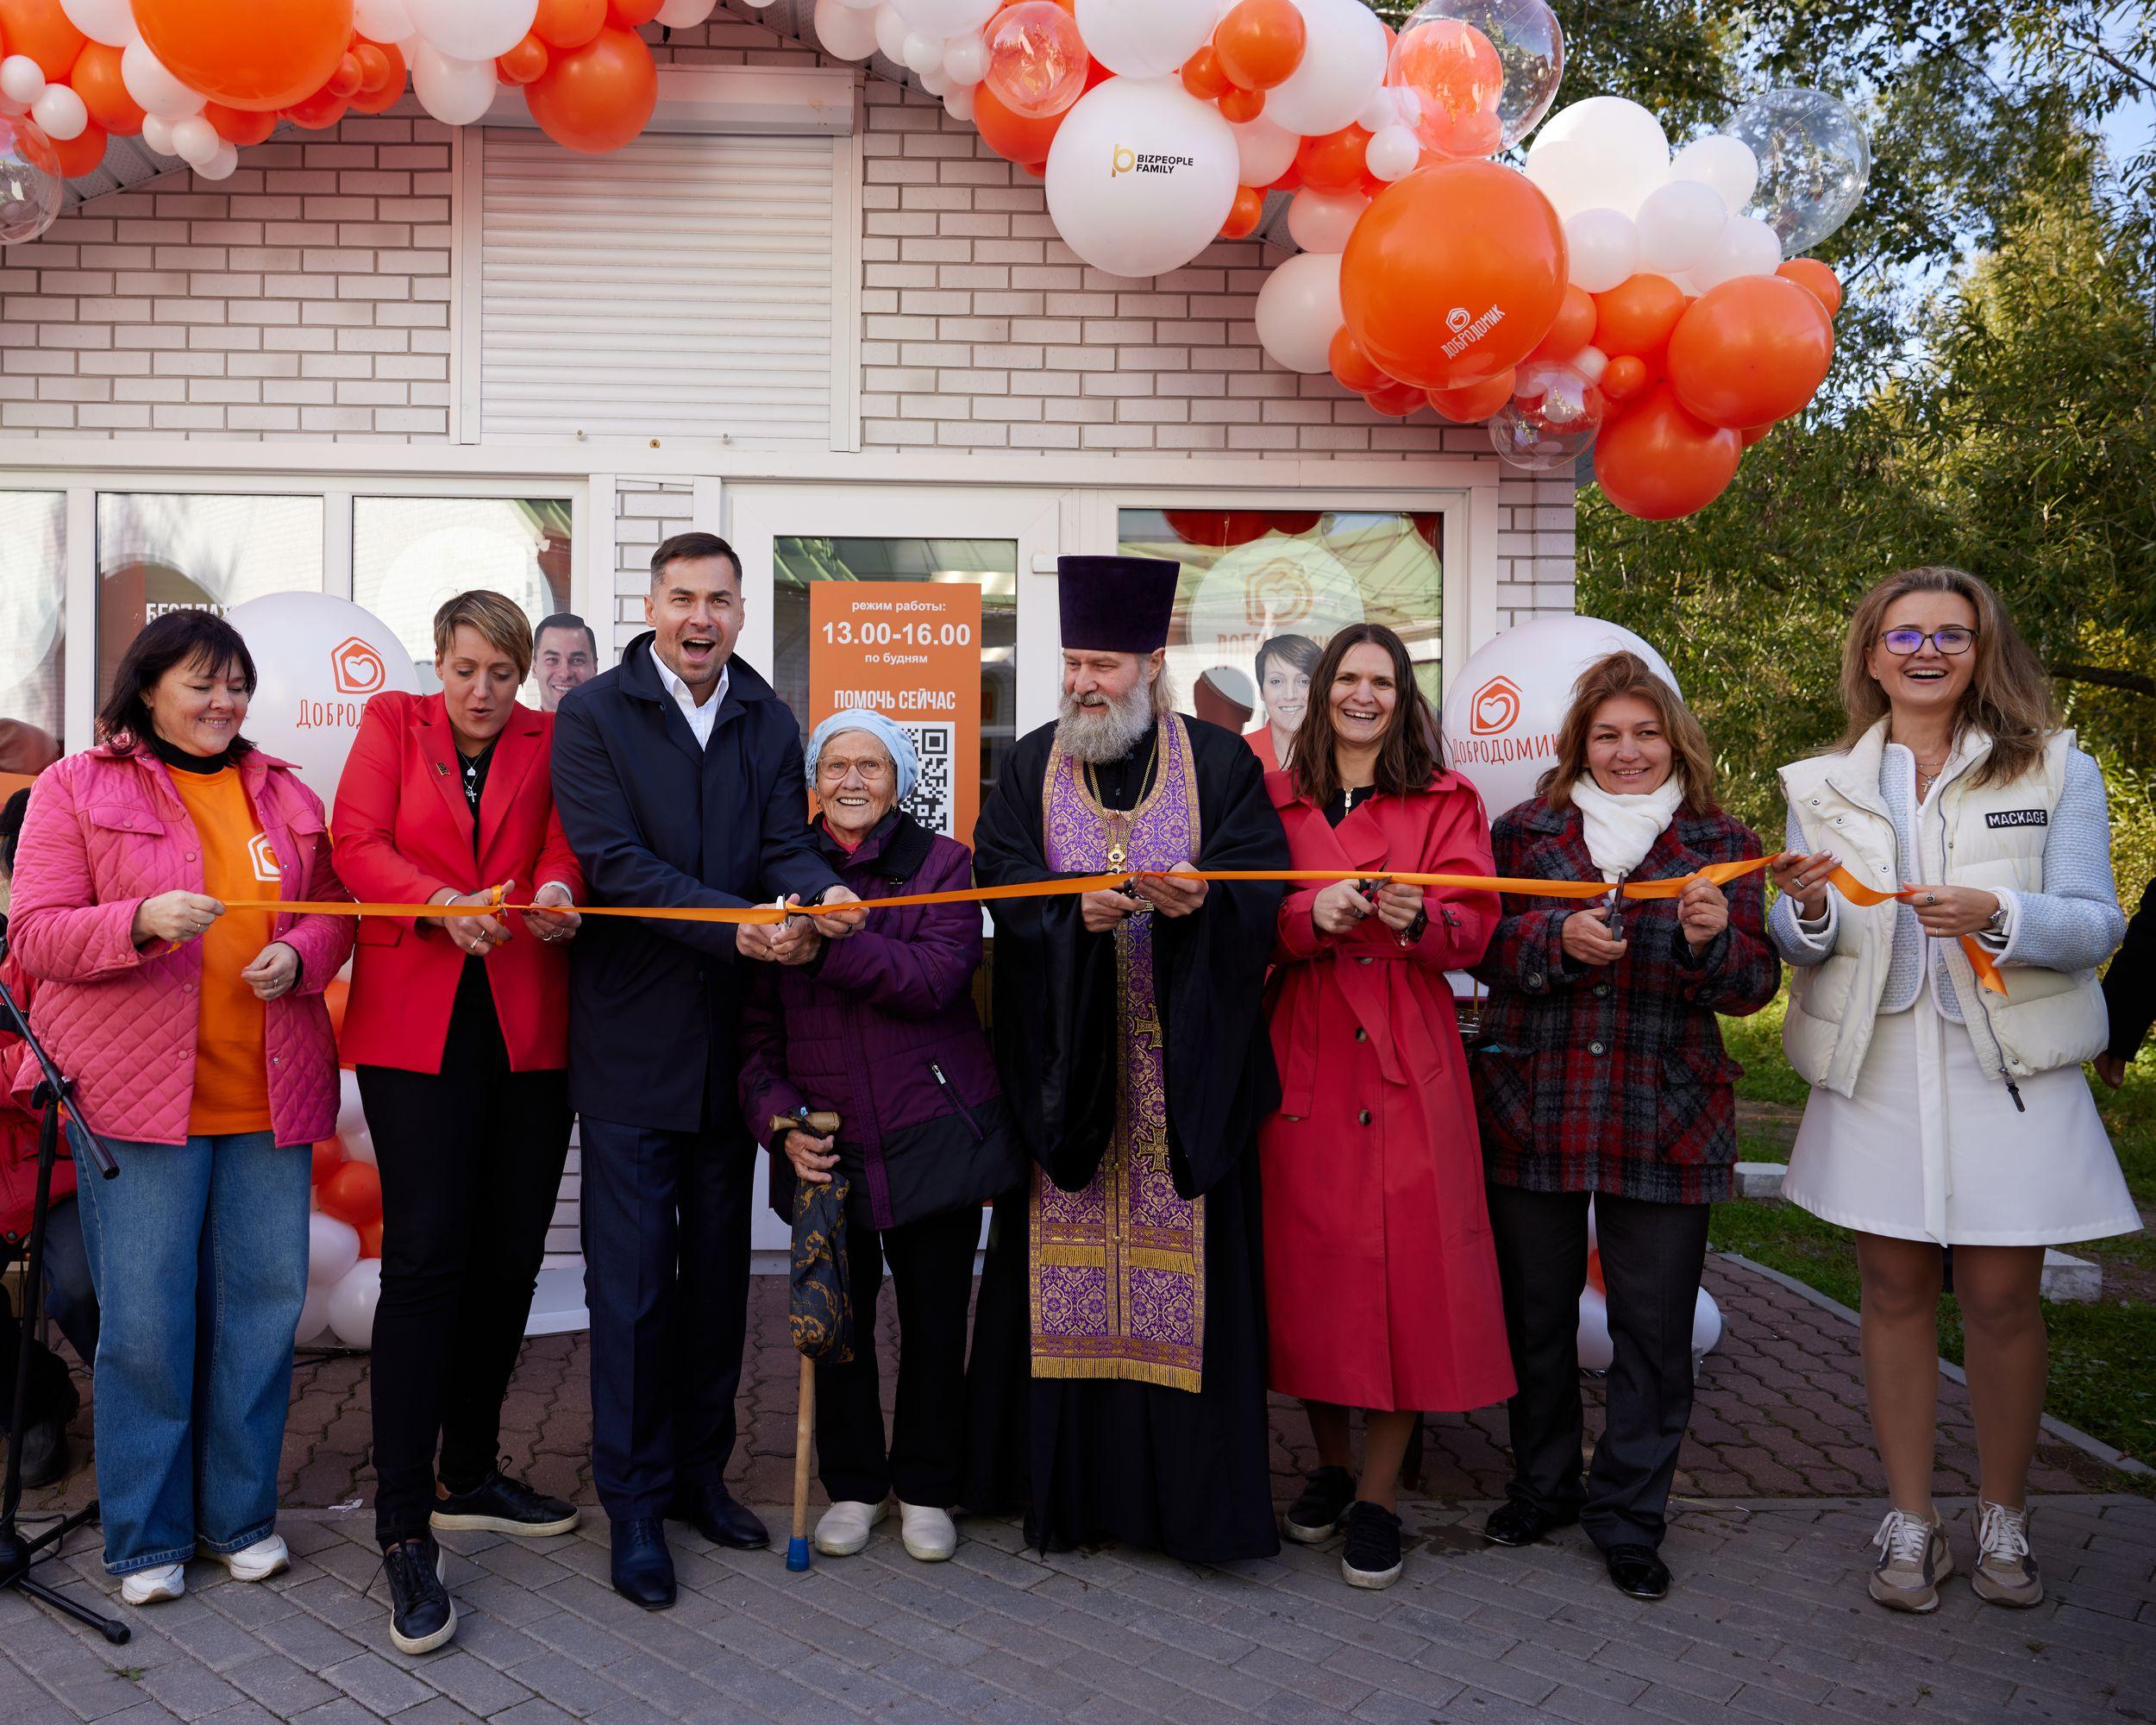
[
  {"x": 378, "y": 99},
  {"x": 328, "y": 1155},
  {"x": 1453, "y": 274},
  {"x": 1753, "y": 434},
  {"x": 1243, "y": 216},
  {"x": 370, "y": 1240},
  {"x": 1290, "y": 177},
  {"x": 1573, "y": 330},
  {"x": 1242, "y": 106},
  {"x": 265, "y": 55},
  {"x": 628, "y": 14},
  {"x": 1012, "y": 137},
  {"x": 1657, "y": 462},
  {"x": 352, "y": 1193},
  {"x": 347, "y": 79},
  {"x": 568, "y": 23},
  {"x": 1473, "y": 403},
  {"x": 1396, "y": 400},
  {"x": 1751, "y": 351},
  {"x": 1260, "y": 42},
  {"x": 597, "y": 97},
  {"x": 97, "y": 80},
  {"x": 1816, "y": 279},
  {"x": 373, "y": 67},
  {"x": 81, "y": 153},
  {"x": 1333, "y": 161},
  {"x": 1625, "y": 375},
  {"x": 1355, "y": 369},
  {"x": 336, "y": 992},
  {"x": 1038, "y": 170},
  {"x": 1636, "y": 316},
  {"x": 318, "y": 112},
  {"x": 1454, "y": 68},
  {"x": 237, "y": 126},
  {"x": 1203, "y": 78},
  {"x": 42, "y": 29},
  {"x": 524, "y": 62}
]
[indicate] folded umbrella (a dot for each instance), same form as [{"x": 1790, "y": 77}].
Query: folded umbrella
[{"x": 820, "y": 1314}]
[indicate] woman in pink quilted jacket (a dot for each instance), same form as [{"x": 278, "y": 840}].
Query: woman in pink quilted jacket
[{"x": 201, "y": 1050}]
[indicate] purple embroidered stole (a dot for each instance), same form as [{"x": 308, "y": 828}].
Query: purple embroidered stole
[{"x": 1119, "y": 1268}]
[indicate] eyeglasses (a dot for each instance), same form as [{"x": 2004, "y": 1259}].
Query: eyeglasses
[{"x": 1949, "y": 641}]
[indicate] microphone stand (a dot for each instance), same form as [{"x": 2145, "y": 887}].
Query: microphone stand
[{"x": 17, "y": 1553}]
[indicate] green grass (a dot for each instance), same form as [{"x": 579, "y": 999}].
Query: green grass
[{"x": 2103, "y": 1355}]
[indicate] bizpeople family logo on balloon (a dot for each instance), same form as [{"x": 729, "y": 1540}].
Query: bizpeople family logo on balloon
[{"x": 1124, "y": 159}]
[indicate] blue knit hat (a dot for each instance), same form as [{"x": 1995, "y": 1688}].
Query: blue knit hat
[{"x": 886, "y": 731}]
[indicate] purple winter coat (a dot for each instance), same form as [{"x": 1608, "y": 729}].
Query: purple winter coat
[{"x": 880, "y": 1029}]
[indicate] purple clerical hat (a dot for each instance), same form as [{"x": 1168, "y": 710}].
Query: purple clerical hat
[{"x": 1116, "y": 605}]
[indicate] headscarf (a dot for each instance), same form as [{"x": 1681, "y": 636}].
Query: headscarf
[{"x": 893, "y": 735}]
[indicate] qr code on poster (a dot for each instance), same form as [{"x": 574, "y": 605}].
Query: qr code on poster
[{"x": 934, "y": 802}]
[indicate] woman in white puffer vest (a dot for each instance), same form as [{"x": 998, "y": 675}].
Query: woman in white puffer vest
[{"x": 1942, "y": 1114}]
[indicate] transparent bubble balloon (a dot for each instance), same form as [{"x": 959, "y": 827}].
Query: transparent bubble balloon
[
  {"x": 1484, "y": 71},
  {"x": 1814, "y": 163},
  {"x": 1552, "y": 419},
  {"x": 1036, "y": 60},
  {"x": 31, "y": 182}
]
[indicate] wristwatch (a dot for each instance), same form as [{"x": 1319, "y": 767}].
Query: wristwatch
[{"x": 1996, "y": 922}]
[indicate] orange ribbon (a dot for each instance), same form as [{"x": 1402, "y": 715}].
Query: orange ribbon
[{"x": 1979, "y": 958}]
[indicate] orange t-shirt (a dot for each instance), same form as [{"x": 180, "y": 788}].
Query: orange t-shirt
[{"x": 231, "y": 1064}]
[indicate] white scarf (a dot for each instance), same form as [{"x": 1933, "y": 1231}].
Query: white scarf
[{"x": 1621, "y": 831}]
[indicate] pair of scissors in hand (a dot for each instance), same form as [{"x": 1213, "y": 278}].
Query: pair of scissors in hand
[{"x": 1615, "y": 923}]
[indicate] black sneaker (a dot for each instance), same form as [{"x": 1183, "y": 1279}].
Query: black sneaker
[
  {"x": 1314, "y": 1517},
  {"x": 500, "y": 1504},
  {"x": 422, "y": 1616},
  {"x": 1372, "y": 1557}
]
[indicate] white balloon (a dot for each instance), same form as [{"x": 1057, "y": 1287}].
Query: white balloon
[
  {"x": 1381, "y": 110},
  {"x": 157, "y": 134},
  {"x": 1298, "y": 311},
  {"x": 1679, "y": 225},
  {"x": 1321, "y": 221},
  {"x": 891, "y": 35},
  {"x": 958, "y": 102},
  {"x": 846, "y": 32},
  {"x": 333, "y": 1247},
  {"x": 220, "y": 166},
  {"x": 110, "y": 22},
  {"x": 1263, "y": 150},
  {"x": 1626, "y": 153},
  {"x": 966, "y": 58},
  {"x": 456, "y": 91},
  {"x": 314, "y": 1317},
  {"x": 921, "y": 54},
  {"x": 351, "y": 1127},
  {"x": 1566, "y": 174},
  {"x": 1706, "y": 1324},
  {"x": 1343, "y": 64},
  {"x": 1604, "y": 249},
  {"x": 862, "y": 5},
  {"x": 196, "y": 140},
  {"x": 941, "y": 18},
  {"x": 473, "y": 29},
  {"x": 317, "y": 660},
  {"x": 1502, "y": 712},
  {"x": 155, "y": 89},
  {"x": 1590, "y": 362},
  {"x": 1747, "y": 247},
  {"x": 388, "y": 21},
  {"x": 21, "y": 79},
  {"x": 1592, "y": 1337},
  {"x": 352, "y": 1302},
  {"x": 686, "y": 15},
  {"x": 60, "y": 113},
  {"x": 1141, "y": 176},
  {"x": 1392, "y": 153},
  {"x": 933, "y": 80},
  {"x": 1723, "y": 162},
  {"x": 1144, "y": 38}
]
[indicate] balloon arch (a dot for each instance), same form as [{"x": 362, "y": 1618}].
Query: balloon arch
[{"x": 1606, "y": 295}]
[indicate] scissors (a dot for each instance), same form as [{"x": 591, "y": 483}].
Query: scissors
[{"x": 1616, "y": 922}]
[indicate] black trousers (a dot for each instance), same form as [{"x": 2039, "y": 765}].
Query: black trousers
[
  {"x": 932, "y": 1268},
  {"x": 471, "y": 1161},
  {"x": 1651, "y": 1258}
]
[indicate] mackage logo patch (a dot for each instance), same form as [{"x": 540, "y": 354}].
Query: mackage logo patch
[{"x": 1999, "y": 818}]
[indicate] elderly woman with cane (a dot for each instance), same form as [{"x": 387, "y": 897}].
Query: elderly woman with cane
[{"x": 880, "y": 1030}]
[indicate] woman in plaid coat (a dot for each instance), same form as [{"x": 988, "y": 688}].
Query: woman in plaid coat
[{"x": 1603, "y": 1075}]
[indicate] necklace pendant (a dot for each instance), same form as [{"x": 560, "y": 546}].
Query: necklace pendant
[{"x": 1117, "y": 855}]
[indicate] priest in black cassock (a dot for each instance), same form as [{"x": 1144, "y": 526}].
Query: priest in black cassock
[{"x": 1117, "y": 1379}]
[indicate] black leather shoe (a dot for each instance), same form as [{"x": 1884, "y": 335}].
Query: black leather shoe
[
  {"x": 1316, "y": 1516},
  {"x": 643, "y": 1567},
  {"x": 501, "y": 1504},
  {"x": 422, "y": 1616},
  {"x": 1516, "y": 1523},
  {"x": 1638, "y": 1571},
  {"x": 710, "y": 1509}
]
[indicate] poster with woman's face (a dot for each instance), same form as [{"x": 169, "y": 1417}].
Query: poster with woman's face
[{"x": 1284, "y": 686}]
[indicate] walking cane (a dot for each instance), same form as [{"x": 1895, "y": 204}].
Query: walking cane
[
  {"x": 797, "y": 1548},
  {"x": 818, "y": 1308}
]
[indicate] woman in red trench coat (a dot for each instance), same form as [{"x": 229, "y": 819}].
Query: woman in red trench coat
[{"x": 1381, "y": 1282}]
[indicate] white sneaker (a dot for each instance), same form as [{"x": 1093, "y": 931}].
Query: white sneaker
[
  {"x": 153, "y": 1586},
  {"x": 842, "y": 1529},
  {"x": 1914, "y": 1558},
  {"x": 930, "y": 1535},
  {"x": 2005, "y": 1573},
  {"x": 257, "y": 1562}
]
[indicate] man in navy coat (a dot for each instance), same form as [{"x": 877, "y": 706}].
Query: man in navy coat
[{"x": 678, "y": 778}]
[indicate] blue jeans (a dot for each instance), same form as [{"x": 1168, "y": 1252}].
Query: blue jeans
[{"x": 200, "y": 1255}]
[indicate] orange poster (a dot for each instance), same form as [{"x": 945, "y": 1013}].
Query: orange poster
[{"x": 910, "y": 650}]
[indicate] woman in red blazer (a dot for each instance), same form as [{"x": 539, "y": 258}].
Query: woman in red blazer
[{"x": 459, "y": 1028}]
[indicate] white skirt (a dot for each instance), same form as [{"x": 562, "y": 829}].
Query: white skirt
[{"x": 1930, "y": 1149}]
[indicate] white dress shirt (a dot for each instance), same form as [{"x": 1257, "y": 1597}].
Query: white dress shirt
[{"x": 700, "y": 719}]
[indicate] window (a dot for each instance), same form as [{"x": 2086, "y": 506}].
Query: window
[
  {"x": 161, "y": 551},
  {"x": 33, "y": 594},
  {"x": 1290, "y": 578},
  {"x": 411, "y": 553}
]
